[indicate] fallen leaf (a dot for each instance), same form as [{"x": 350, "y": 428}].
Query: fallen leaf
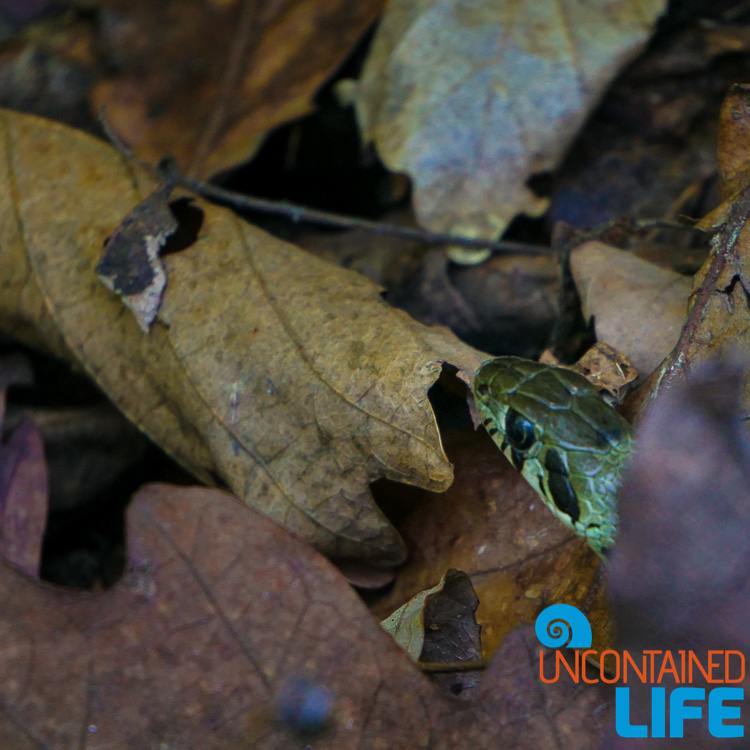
[
  {"x": 23, "y": 480},
  {"x": 227, "y": 632},
  {"x": 286, "y": 378},
  {"x": 413, "y": 625},
  {"x": 406, "y": 624},
  {"x": 637, "y": 308},
  {"x": 679, "y": 571},
  {"x": 492, "y": 525},
  {"x": 206, "y": 81},
  {"x": 452, "y": 636},
  {"x": 733, "y": 153},
  {"x": 130, "y": 265},
  {"x": 472, "y": 98}
]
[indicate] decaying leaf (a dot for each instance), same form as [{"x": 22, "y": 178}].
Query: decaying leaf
[
  {"x": 222, "y": 619},
  {"x": 286, "y": 378},
  {"x": 205, "y": 81},
  {"x": 637, "y": 307},
  {"x": 679, "y": 571},
  {"x": 406, "y": 624},
  {"x": 130, "y": 265},
  {"x": 452, "y": 636},
  {"x": 410, "y": 623},
  {"x": 492, "y": 525},
  {"x": 472, "y": 98},
  {"x": 23, "y": 480}
]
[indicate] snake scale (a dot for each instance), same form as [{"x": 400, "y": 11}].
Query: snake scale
[{"x": 568, "y": 443}]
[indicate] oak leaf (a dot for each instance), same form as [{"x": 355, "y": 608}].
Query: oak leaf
[
  {"x": 635, "y": 306},
  {"x": 284, "y": 377},
  {"x": 220, "y": 620}
]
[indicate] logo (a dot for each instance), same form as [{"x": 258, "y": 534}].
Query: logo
[{"x": 669, "y": 673}]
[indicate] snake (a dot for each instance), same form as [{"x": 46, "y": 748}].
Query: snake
[{"x": 569, "y": 444}]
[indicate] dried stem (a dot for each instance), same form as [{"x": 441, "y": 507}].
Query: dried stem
[{"x": 298, "y": 214}]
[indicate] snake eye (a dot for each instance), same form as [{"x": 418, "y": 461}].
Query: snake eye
[{"x": 519, "y": 431}]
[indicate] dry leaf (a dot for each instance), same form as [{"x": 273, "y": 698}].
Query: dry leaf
[
  {"x": 734, "y": 127},
  {"x": 452, "y": 635},
  {"x": 637, "y": 307},
  {"x": 130, "y": 265},
  {"x": 23, "y": 480},
  {"x": 472, "y": 98},
  {"x": 286, "y": 378},
  {"x": 413, "y": 624},
  {"x": 222, "y": 627},
  {"x": 406, "y": 624},
  {"x": 206, "y": 81}
]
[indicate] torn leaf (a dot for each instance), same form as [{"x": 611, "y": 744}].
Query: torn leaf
[{"x": 130, "y": 265}]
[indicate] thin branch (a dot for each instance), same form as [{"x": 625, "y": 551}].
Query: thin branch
[
  {"x": 298, "y": 214},
  {"x": 324, "y": 218},
  {"x": 724, "y": 251},
  {"x": 437, "y": 667}
]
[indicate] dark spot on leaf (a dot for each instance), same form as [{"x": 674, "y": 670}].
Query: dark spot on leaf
[{"x": 483, "y": 389}]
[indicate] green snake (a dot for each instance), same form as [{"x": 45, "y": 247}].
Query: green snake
[{"x": 568, "y": 443}]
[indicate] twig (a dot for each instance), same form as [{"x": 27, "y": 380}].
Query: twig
[
  {"x": 436, "y": 667},
  {"x": 323, "y": 218}
]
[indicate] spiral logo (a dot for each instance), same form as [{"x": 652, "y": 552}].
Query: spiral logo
[{"x": 563, "y": 625}]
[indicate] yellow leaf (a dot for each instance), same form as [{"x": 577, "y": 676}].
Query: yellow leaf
[{"x": 284, "y": 377}]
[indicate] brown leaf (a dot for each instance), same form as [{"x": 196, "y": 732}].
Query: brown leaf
[
  {"x": 734, "y": 128},
  {"x": 492, "y": 525},
  {"x": 130, "y": 265},
  {"x": 23, "y": 480},
  {"x": 679, "y": 572},
  {"x": 286, "y": 378},
  {"x": 23, "y": 497},
  {"x": 222, "y": 626},
  {"x": 471, "y": 99},
  {"x": 637, "y": 307},
  {"x": 438, "y": 625},
  {"x": 452, "y": 634},
  {"x": 206, "y": 81}
]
